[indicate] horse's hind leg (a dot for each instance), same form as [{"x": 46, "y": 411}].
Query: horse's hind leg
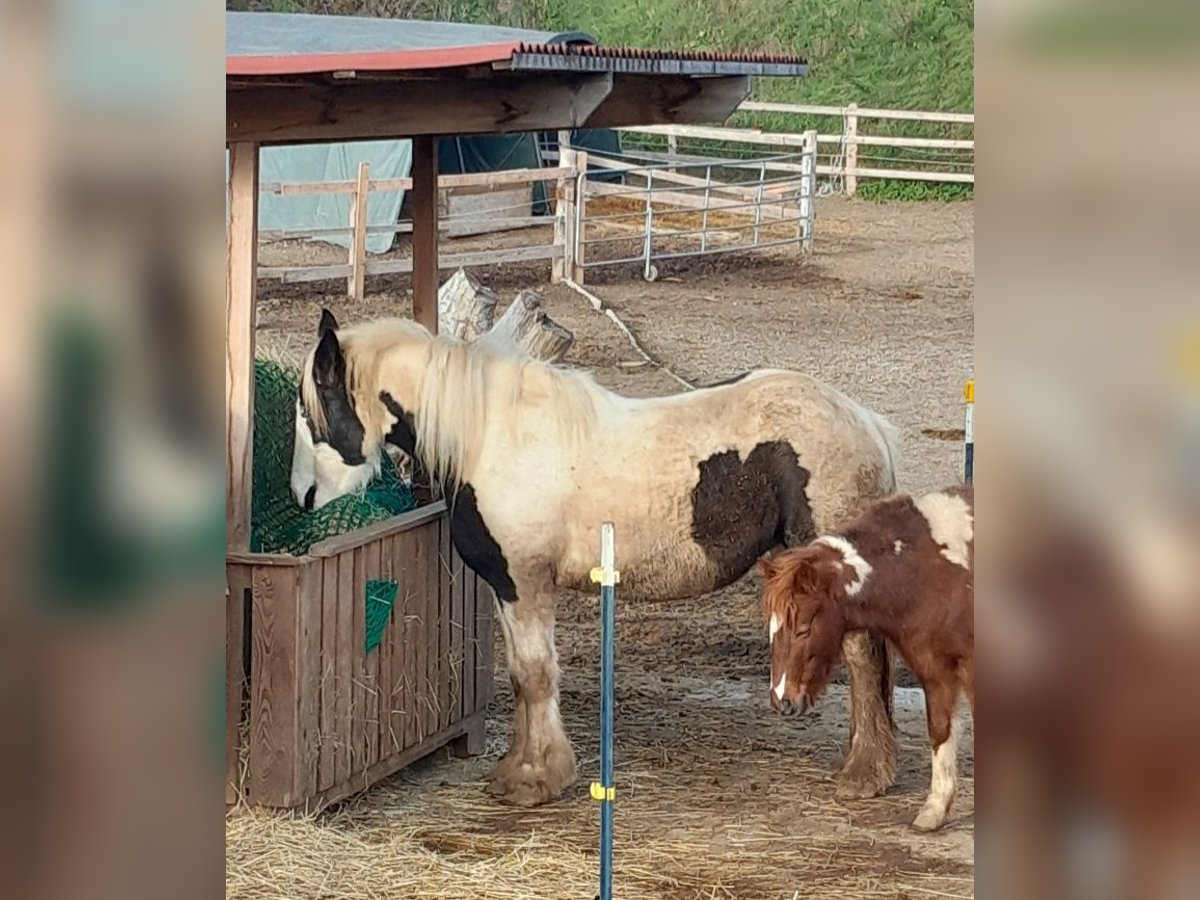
[
  {"x": 540, "y": 764},
  {"x": 940, "y": 699},
  {"x": 870, "y": 765}
]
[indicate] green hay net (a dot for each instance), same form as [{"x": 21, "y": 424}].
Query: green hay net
[{"x": 277, "y": 523}]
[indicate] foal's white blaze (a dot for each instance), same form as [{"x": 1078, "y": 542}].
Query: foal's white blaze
[
  {"x": 852, "y": 558},
  {"x": 897, "y": 547},
  {"x": 951, "y": 525},
  {"x": 943, "y": 780},
  {"x": 781, "y": 687},
  {"x": 774, "y": 626}
]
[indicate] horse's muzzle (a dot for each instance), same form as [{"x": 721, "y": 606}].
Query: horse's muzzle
[{"x": 788, "y": 707}]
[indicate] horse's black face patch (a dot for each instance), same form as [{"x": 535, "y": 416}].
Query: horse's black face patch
[
  {"x": 403, "y": 434},
  {"x": 476, "y": 545},
  {"x": 741, "y": 509},
  {"x": 344, "y": 431}
]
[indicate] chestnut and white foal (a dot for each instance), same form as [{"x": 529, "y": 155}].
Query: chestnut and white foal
[{"x": 907, "y": 568}]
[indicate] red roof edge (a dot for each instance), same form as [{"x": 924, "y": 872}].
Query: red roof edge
[{"x": 375, "y": 60}]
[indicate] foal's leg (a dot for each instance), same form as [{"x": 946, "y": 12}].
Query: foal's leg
[
  {"x": 941, "y": 697},
  {"x": 540, "y": 764},
  {"x": 870, "y": 765}
]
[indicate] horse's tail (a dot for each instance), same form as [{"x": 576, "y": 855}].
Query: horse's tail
[{"x": 887, "y": 436}]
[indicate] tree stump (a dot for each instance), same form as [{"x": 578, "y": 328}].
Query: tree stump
[
  {"x": 467, "y": 309},
  {"x": 526, "y": 324}
]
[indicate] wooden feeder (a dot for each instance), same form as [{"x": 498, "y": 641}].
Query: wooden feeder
[{"x": 310, "y": 715}]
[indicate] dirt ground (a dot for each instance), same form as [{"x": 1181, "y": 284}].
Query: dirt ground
[{"x": 717, "y": 796}]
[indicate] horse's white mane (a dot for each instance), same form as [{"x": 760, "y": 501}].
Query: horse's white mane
[{"x": 460, "y": 388}]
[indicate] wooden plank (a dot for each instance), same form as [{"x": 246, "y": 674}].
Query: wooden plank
[
  {"x": 405, "y": 727},
  {"x": 503, "y": 103},
  {"x": 431, "y": 633},
  {"x": 649, "y": 99},
  {"x": 445, "y": 608},
  {"x": 257, "y": 560},
  {"x": 427, "y": 539},
  {"x": 344, "y": 667},
  {"x": 813, "y": 110},
  {"x": 387, "y": 570},
  {"x": 469, "y": 648},
  {"x": 463, "y": 260},
  {"x": 360, "y": 537},
  {"x": 327, "y": 748},
  {"x": 308, "y": 677},
  {"x": 445, "y": 182},
  {"x": 425, "y": 234},
  {"x": 406, "y": 757},
  {"x": 242, "y": 249},
  {"x": 483, "y": 641},
  {"x": 906, "y": 175},
  {"x": 564, "y": 218},
  {"x": 729, "y": 135},
  {"x": 301, "y": 274},
  {"x": 358, "y": 702},
  {"x": 880, "y": 140},
  {"x": 237, "y": 581},
  {"x": 458, "y": 635},
  {"x": 371, "y": 668},
  {"x": 851, "y": 161},
  {"x": 418, "y": 564},
  {"x": 274, "y": 707},
  {"x": 358, "y": 236}
]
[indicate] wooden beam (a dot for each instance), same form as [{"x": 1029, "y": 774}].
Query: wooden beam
[
  {"x": 506, "y": 102},
  {"x": 358, "y": 235},
  {"x": 662, "y": 100},
  {"x": 239, "y": 342},
  {"x": 425, "y": 231}
]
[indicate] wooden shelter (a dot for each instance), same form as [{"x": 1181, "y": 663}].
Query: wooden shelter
[{"x": 389, "y": 79}]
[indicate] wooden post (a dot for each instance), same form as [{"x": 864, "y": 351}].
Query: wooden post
[
  {"x": 581, "y": 167},
  {"x": 425, "y": 231},
  {"x": 242, "y": 250},
  {"x": 358, "y": 237},
  {"x": 672, "y": 149},
  {"x": 851, "y": 136},
  {"x": 564, "y": 215}
]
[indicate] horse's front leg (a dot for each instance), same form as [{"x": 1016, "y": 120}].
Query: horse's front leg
[
  {"x": 540, "y": 763},
  {"x": 870, "y": 765},
  {"x": 940, "y": 699}
]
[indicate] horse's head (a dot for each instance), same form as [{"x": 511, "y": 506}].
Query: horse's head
[
  {"x": 334, "y": 454},
  {"x": 800, "y": 601}
]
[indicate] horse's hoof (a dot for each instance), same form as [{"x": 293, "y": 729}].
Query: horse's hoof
[
  {"x": 929, "y": 820},
  {"x": 857, "y": 789},
  {"x": 524, "y": 787}
]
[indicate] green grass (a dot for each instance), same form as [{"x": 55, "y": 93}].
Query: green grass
[{"x": 897, "y": 54}]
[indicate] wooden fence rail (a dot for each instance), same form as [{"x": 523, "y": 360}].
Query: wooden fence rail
[
  {"x": 358, "y": 266},
  {"x": 845, "y": 159}
]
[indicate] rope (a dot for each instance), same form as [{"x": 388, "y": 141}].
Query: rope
[{"x": 599, "y": 306}]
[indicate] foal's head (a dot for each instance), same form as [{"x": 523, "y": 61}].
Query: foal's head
[{"x": 802, "y": 603}]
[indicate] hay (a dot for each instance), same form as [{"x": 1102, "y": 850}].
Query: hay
[
  {"x": 706, "y": 807},
  {"x": 278, "y": 524}
]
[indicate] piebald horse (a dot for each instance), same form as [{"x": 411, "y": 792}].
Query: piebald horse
[{"x": 532, "y": 458}]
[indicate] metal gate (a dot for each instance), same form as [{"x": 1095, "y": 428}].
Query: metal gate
[{"x": 692, "y": 206}]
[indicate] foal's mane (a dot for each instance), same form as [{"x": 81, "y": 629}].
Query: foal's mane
[
  {"x": 460, "y": 389},
  {"x": 779, "y": 595}
]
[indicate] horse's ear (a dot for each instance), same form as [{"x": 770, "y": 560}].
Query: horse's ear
[
  {"x": 329, "y": 366},
  {"x": 327, "y": 324}
]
